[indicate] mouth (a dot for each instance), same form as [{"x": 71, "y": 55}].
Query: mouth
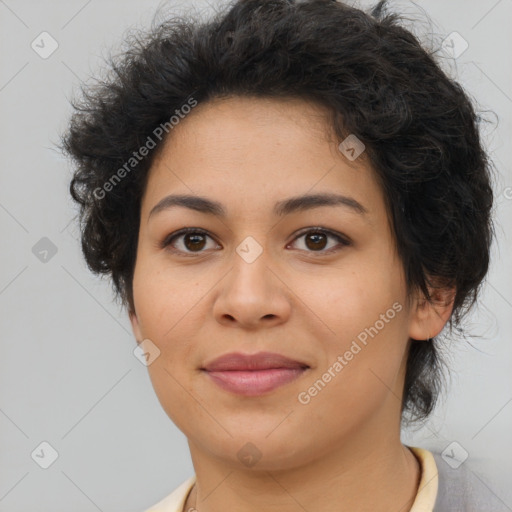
[{"x": 253, "y": 374}]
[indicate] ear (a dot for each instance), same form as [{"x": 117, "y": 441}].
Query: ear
[
  {"x": 135, "y": 326},
  {"x": 428, "y": 319}
]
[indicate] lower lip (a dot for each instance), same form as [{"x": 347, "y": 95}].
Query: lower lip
[{"x": 254, "y": 382}]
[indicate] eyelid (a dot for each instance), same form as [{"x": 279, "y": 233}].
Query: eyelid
[
  {"x": 180, "y": 232},
  {"x": 342, "y": 239},
  {"x": 321, "y": 229}
]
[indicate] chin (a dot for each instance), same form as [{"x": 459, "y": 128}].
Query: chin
[{"x": 260, "y": 451}]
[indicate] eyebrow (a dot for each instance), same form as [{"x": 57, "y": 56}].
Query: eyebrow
[{"x": 281, "y": 208}]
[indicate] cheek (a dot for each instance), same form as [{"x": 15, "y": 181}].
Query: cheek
[
  {"x": 360, "y": 373},
  {"x": 349, "y": 302},
  {"x": 167, "y": 316},
  {"x": 367, "y": 322},
  {"x": 162, "y": 296}
]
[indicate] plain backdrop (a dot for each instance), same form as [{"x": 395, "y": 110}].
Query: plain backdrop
[{"x": 68, "y": 375}]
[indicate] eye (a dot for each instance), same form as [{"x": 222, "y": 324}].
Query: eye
[
  {"x": 188, "y": 241},
  {"x": 193, "y": 240},
  {"x": 316, "y": 239}
]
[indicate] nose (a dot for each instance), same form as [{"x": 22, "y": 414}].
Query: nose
[{"x": 252, "y": 295}]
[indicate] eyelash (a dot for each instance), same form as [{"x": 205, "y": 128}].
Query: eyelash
[{"x": 167, "y": 241}]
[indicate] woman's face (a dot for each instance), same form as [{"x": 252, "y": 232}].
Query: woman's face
[{"x": 274, "y": 279}]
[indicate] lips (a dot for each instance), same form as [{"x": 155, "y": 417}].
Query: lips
[
  {"x": 259, "y": 361},
  {"x": 253, "y": 374}
]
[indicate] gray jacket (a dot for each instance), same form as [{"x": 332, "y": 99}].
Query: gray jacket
[{"x": 462, "y": 490}]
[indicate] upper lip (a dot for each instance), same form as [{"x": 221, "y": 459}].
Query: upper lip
[{"x": 258, "y": 361}]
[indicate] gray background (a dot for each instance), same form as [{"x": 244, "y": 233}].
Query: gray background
[{"x": 67, "y": 369}]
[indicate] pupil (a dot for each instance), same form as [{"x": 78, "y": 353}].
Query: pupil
[
  {"x": 195, "y": 239},
  {"x": 316, "y": 242}
]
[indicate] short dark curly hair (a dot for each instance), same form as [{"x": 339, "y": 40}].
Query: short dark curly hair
[{"x": 419, "y": 127}]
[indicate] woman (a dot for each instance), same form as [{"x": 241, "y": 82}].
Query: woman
[{"x": 292, "y": 201}]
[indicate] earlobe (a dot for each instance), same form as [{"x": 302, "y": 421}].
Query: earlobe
[{"x": 429, "y": 318}]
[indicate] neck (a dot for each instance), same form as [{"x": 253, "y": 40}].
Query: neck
[{"x": 371, "y": 472}]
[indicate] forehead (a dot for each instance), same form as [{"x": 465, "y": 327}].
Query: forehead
[{"x": 250, "y": 153}]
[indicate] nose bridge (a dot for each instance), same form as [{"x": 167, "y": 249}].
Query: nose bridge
[
  {"x": 249, "y": 250},
  {"x": 251, "y": 292},
  {"x": 251, "y": 268}
]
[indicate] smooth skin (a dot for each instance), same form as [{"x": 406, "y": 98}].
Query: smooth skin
[{"x": 304, "y": 297}]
